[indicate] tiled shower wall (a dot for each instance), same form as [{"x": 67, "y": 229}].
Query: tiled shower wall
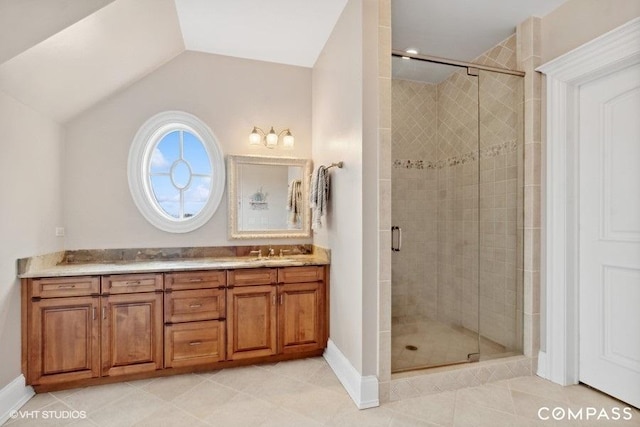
[
  {"x": 414, "y": 207},
  {"x": 435, "y": 199}
]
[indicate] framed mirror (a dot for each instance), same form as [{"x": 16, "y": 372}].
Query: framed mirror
[{"x": 268, "y": 197}]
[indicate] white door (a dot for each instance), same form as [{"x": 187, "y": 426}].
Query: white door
[{"x": 610, "y": 234}]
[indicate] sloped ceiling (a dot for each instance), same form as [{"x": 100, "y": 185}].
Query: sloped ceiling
[
  {"x": 93, "y": 48},
  {"x": 62, "y": 56},
  {"x": 93, "y": 58},
  {"x": 286, "y": 31},
  {"x": 24, "y": 23}
]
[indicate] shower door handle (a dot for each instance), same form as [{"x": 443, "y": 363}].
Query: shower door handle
[{"x": 396, "y": 238}]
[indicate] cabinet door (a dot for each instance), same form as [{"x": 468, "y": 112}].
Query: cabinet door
[
  {"x": 301, "y": 317},
  {"x": 251, "y": 321},
  {"x": 194, "y": 343},
  {"x": 63, "y": 340},
  {"x": 131, "y": 333}
]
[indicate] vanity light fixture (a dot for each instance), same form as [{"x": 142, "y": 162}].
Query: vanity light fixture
[{"x": 270, "y": 139}]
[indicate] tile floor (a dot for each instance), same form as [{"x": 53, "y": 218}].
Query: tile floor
[
  {"x": 306, "y": 393},
  {"x": 437, "y": 344}
]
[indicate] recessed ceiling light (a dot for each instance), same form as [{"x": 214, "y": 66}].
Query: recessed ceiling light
[{"x": 412, "y": 51}]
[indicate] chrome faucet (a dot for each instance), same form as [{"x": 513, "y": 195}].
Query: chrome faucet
[
  {"x": 282, "y": 252},
  {"x": 258, "y": 252},
  {"x": 271, "y": 252}
]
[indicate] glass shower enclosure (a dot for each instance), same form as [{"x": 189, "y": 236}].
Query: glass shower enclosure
[{"x": 457, "y": 212}]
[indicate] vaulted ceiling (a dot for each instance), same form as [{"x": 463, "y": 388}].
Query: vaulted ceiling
[{"x": 62, "y": 56}]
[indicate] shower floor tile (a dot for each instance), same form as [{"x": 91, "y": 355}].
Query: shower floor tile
[{"x": 437, "y": 344}]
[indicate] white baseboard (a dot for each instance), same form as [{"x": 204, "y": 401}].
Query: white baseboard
[
  {"x": 542, "y": 365},
  {"x": 362, "y": 389},
  {"x": 13, "y": 396}
]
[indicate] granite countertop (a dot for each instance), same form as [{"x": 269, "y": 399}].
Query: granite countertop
[{"x": 53, "y": 265}]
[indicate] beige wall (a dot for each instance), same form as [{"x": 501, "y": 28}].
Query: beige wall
[
  {"x": 345, "y": 128},
  {"x": 230, "y": 95},
  {"x": 337, "y": 87},
  {"x": 578, "y": 21},
  {"x": 31, "y": 147},
  {"x": 375, "y": 235}
]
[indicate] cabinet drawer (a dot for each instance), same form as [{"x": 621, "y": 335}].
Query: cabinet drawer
[
  {"x": 65, "y": 287},
  {"x": 195, "y": 280},
  {"x": 300, "y": 274},
  {"x": 131, "y": 283},
  {"x": 252, "y": 276},
  {"x": 188, "y": 344},
  {"x": 193, "y": 305}
]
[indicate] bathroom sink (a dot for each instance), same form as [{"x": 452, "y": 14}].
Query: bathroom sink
[{"x": 274, "y": 259}]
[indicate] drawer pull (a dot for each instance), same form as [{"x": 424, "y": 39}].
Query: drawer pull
[
  {"x": 195, "y": 305},
  {"x": 66, "y": 286},
  {"x": 195, "y": 280},
  {"x": 195, "y": 343},
  {"x": 136, "y": 282},
  {"x": 94, "y": 313}
]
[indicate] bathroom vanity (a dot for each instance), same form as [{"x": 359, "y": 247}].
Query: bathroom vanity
[{"x": 92, "y": 323}]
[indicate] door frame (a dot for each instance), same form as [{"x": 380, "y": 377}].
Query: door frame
[{"x": 559, "y": 357}]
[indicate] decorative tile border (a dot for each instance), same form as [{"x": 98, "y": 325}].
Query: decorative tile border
[{"x": 485, "y": 153}]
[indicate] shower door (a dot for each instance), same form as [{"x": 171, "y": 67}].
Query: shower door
[
  {"x": 501, "y": 213},
  {"x": 435, "y": 205}
]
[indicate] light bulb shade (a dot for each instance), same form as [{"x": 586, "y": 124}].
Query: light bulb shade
[
  {"x": 272, "y": 138},
  {"x": 254, "y": 138},
  {"x": 288, "y": 140}
]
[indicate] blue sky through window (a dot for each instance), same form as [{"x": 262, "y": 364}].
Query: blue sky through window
[{"x": 180, "y": 174}]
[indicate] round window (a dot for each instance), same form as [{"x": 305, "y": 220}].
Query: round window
[{"x": 176, "y": 171}]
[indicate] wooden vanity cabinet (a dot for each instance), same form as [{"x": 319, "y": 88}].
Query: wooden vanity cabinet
[
  {"x": 131, "y": 324},
  {"x": 251, "y": 306},
  {"x": 79, "y": 330},
  {"x": 63, "y": 341},
  {"x": 76, "y": 330},
  {"x": 276, "y": 311},
  {"x": 302, "y": 309},
  {"x": 194, "y": 313}
]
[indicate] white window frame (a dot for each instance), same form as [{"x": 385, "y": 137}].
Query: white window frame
[{"x": 140, "y": 153}]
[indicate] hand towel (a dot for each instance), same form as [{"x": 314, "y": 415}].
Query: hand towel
[
  {"x": 294, "y": 203},
  {"x": 319, "y": 195}
]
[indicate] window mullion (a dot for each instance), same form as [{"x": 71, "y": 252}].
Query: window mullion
[{"x": 181, "y": 145}]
